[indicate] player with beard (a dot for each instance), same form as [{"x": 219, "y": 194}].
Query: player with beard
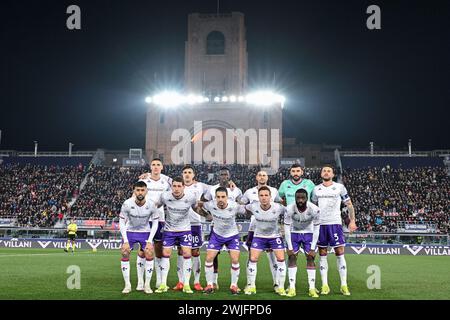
[
  {"x": 301, "y": 230},
  {"x": 234, "y": 194},
  {"x": 290, "y": 186},
  {"x": 223, "y": 212},
  {"x": 135, "y": 215},
  {"x": 329, "y": 195}
]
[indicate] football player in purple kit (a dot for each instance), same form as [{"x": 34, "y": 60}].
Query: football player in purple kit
[
  {"x": 225, "y": 233},
  {"x": 157, "y": 183},
  {"x": 177, "y": 230},
  {"x": 267, "y": 236},
  {"x": 198, "y": 189},
  {"x": 134, "y": 218},
  {"x": 301, "y": 230},
  {"x": 329, "y": 195}
]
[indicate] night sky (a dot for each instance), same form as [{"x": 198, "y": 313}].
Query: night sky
[{"x": 344, "y": 84}]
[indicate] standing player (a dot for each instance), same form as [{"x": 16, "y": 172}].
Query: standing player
[
  {"x": 72, "y": 234},
  {"x": 288, "y": 187},
  {"x": 250, "y": 196},
  {"x": 225, "y": 233},
  {"x": 301, "y": 230},
  {"x": 267, "y": 236},
  {"x": 329, "y": 196},
  {"x": 177, "y": 231},
  {"x": 135, "y": 215},
  {"x": 234, "y": 194},
  {"x": 197, "y": 189},
  {"x": 157, "y": 183}
]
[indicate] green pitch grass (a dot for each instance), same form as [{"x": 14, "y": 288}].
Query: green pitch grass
[{"x": 42, "y": 274}]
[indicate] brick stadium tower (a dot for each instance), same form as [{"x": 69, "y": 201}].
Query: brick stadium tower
[{"x": 215, "y": 91}]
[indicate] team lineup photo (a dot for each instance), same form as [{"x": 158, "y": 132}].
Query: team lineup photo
[{"x": 261, "y": 153}]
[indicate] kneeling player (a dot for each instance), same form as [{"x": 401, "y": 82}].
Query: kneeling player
[
  {"x": 135, "y": 216},
  {"x": 301, "y": 230},
  {"x": 267, "y": 236},
  {"x": 225, "y": 233}
]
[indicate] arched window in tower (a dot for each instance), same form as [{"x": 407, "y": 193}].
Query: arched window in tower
[{"x": 215, "y": 43}]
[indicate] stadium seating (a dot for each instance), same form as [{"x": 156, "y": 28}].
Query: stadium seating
[{"x": 39, "y": 195}]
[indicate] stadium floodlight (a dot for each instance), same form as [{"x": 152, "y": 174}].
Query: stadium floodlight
[
  {"x": 200, "y": 99},
  {"x": 148, "y": 100},
  {"x": 191, "y": 99},
  {"x": 264, "y": 98},
  {"x": 232, "y": 98},
  {"x": 241, "y": 99},
  {"x": 216, "y": 99},
  {"x": 224, "y": 99},
  {"x": 205, "y": 99},
  {"x": 168, "y": 99}
]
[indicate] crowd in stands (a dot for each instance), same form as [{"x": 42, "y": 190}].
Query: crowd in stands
[
  {"x": 39, "y": 196},
  {"x": 384, "y": 196},
  {"x": 108, "y": 187}
]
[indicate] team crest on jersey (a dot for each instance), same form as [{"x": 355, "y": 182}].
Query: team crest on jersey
[
  {"x": 133, "y": 207},
  {"x": 334, "y": 188},
  {"x": 186, "y": 201}
]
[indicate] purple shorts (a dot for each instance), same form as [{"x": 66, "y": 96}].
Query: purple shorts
[
  {"x": 137, "y": 237},
  {"x": 181, "y": 238},
  {"x": 331, "y": 235},
  {"x": 267, "y": 243},
  {"x": 249, "y": 238},
  {"x": 197, "y": 241},
  {"x": 216, "y": 242},
  {"x": 301, "y": 240},
  {"x": 159, "y": 231}
]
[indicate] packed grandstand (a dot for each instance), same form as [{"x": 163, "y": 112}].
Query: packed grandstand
[{"x": 46, "y": 194}]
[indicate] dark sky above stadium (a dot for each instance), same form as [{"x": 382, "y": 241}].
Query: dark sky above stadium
[{"x": 344, "y": 84}]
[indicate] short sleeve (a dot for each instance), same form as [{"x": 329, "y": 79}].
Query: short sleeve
[
  {"x": 241, "y": 209},
  {"x": 314, "y": 196},
  {"x": 288, "y": 216},
  {"x": 207, "y": 205},
  {"x": 344, "y": 194},
  {"x": 124, "y": 211},
  {"x": 281, "y": 192},
  {"x": 245, "y": 198}
]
